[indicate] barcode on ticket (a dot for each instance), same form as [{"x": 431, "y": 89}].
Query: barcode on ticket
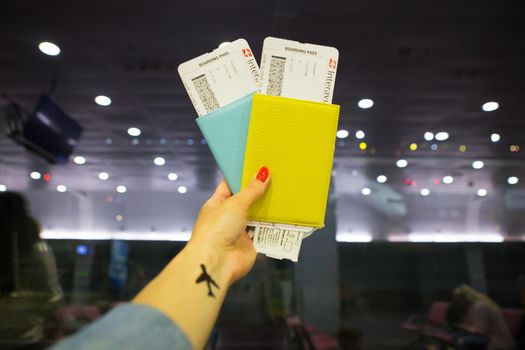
[
  {"x": 275, "y": 80},
  {"x": 206, "y": 95}
]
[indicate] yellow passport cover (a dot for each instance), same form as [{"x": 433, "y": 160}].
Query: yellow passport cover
[{"x": 296, "y": 140}]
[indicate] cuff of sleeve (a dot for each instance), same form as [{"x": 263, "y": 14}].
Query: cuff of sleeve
[{"x": 130, "y": 326}]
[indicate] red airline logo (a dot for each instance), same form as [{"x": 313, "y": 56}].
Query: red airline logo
[
  {"x": 332, "y": 64},
  {"x": 247, "y": 52}
]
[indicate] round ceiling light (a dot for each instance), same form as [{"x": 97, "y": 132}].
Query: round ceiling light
[
  {"x": 159, "y": 161},
  {"x": 381, "y": 179},
  {"x": 429, "y": 136},
  {"x": 442, "y": 136},
  {"x": 401, "y": 163},
  {"x": 447, "y": 180},
  {"x": 366, "y": 191},
  {"x": 79, "y": 160},
  {"x": 482, "y": 192},
  {"x": 134, "y": 132},
  {"x": 102, "y": 100},
  {"x": 365, "y": 103},
  {"x": 49, "y": 48},
  {"x": 342, "y": 134},
  {"x": 490, "y": 106},
  {"x": 478, "y": 164}
]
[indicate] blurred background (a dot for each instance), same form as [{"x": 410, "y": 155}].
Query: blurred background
[{"x": 428, "y": 181}]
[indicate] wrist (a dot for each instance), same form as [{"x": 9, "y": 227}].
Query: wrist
[{"x": 214, "y": 260}]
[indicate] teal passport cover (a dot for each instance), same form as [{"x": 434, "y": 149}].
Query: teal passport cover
[{"x": 225, "y": 131}]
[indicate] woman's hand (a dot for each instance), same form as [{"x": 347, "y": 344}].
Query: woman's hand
[
  {"x": 191, "y": 289},
  {"x": 221, "y": 226}
]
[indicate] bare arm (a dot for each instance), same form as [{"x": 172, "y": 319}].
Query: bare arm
[{"x": 191, "y": 289}]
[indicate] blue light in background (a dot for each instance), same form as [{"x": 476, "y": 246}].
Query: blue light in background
[{"x": 82, "y": 249}]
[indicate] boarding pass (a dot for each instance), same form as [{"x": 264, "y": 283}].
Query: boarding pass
[
  {"x": 278, "y": 241},
  {"x": 293, "y": 69},
  {"x": 218, "y": 78}
]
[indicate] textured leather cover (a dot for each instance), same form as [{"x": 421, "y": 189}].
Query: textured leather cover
[
  {"x": 225, "y": 131},
  {"x": 296, "y": 140}
]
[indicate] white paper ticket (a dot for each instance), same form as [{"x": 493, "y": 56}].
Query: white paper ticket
[
  {"x": 279, "y": 241},
  {"x": 218, "y": 78},
  {"x": 293, "y": 69}
]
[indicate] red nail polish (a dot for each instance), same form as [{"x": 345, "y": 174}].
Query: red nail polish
[{"x": 263, "y": 173}]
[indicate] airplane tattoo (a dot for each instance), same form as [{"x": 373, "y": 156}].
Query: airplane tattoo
[{"x": 204, "y": 277}]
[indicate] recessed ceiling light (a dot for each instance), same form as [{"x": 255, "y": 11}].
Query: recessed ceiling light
[
  {"x": 482, "y": 192},
  {"x": 102, "y": 100},
  {"x": 35, "y": 175},
  {"x": 402, "y": 163},
  {"x": 3, "y": 188},
  {"x": 512, "y": 180},
  {"x": 223, "y": 44},
  {"x": 360, "y": 134},
  {"x": 121, "y": 189},
  {"x": 495, "y": 137},
  {"x": 342, "y": 134},
  {"x": 365, "y": 103},
  {"x": 79, "y": 160},
  {"x": 424, "y": 192},
  {"x": 134, "y": 131},
  {"x": 159, "y": 161},
  {"x": 173, "y": 176},
  {"x": 61, "y": 188},
  {"x": 442, "y": 136},
  {"x": 381, "y": 179},
  {"x": 366, "y": 191},
  {"x": 49, "y": 48},
  {"x": 103, "y": 176},
  {"x": 182, "y": 189},
  {"x": 447, "y": 180},
  {"x": 429, "y": 136},
  {"x": 478, "y": 164},
  {"x": 490, "y": 106}
]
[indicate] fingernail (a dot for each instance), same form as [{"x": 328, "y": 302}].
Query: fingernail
[{"x": 263, "y": 173}]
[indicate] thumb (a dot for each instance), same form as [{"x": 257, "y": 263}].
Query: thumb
[{"x": 254, "y": 190}]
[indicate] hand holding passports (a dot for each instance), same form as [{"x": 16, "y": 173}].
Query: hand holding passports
[{"x": 289, "y": 125}]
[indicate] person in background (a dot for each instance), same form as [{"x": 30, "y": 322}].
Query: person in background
[
  {"x": 477, "y": 322},
  {"x": 177, "y": 309},
  {"x": 30, "y": 292}
]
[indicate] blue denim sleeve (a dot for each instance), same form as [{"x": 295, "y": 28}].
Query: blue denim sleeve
[{"x": 128, "y": 327}]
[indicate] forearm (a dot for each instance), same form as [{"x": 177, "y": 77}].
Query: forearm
[{"x": 193, "y": 305}]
